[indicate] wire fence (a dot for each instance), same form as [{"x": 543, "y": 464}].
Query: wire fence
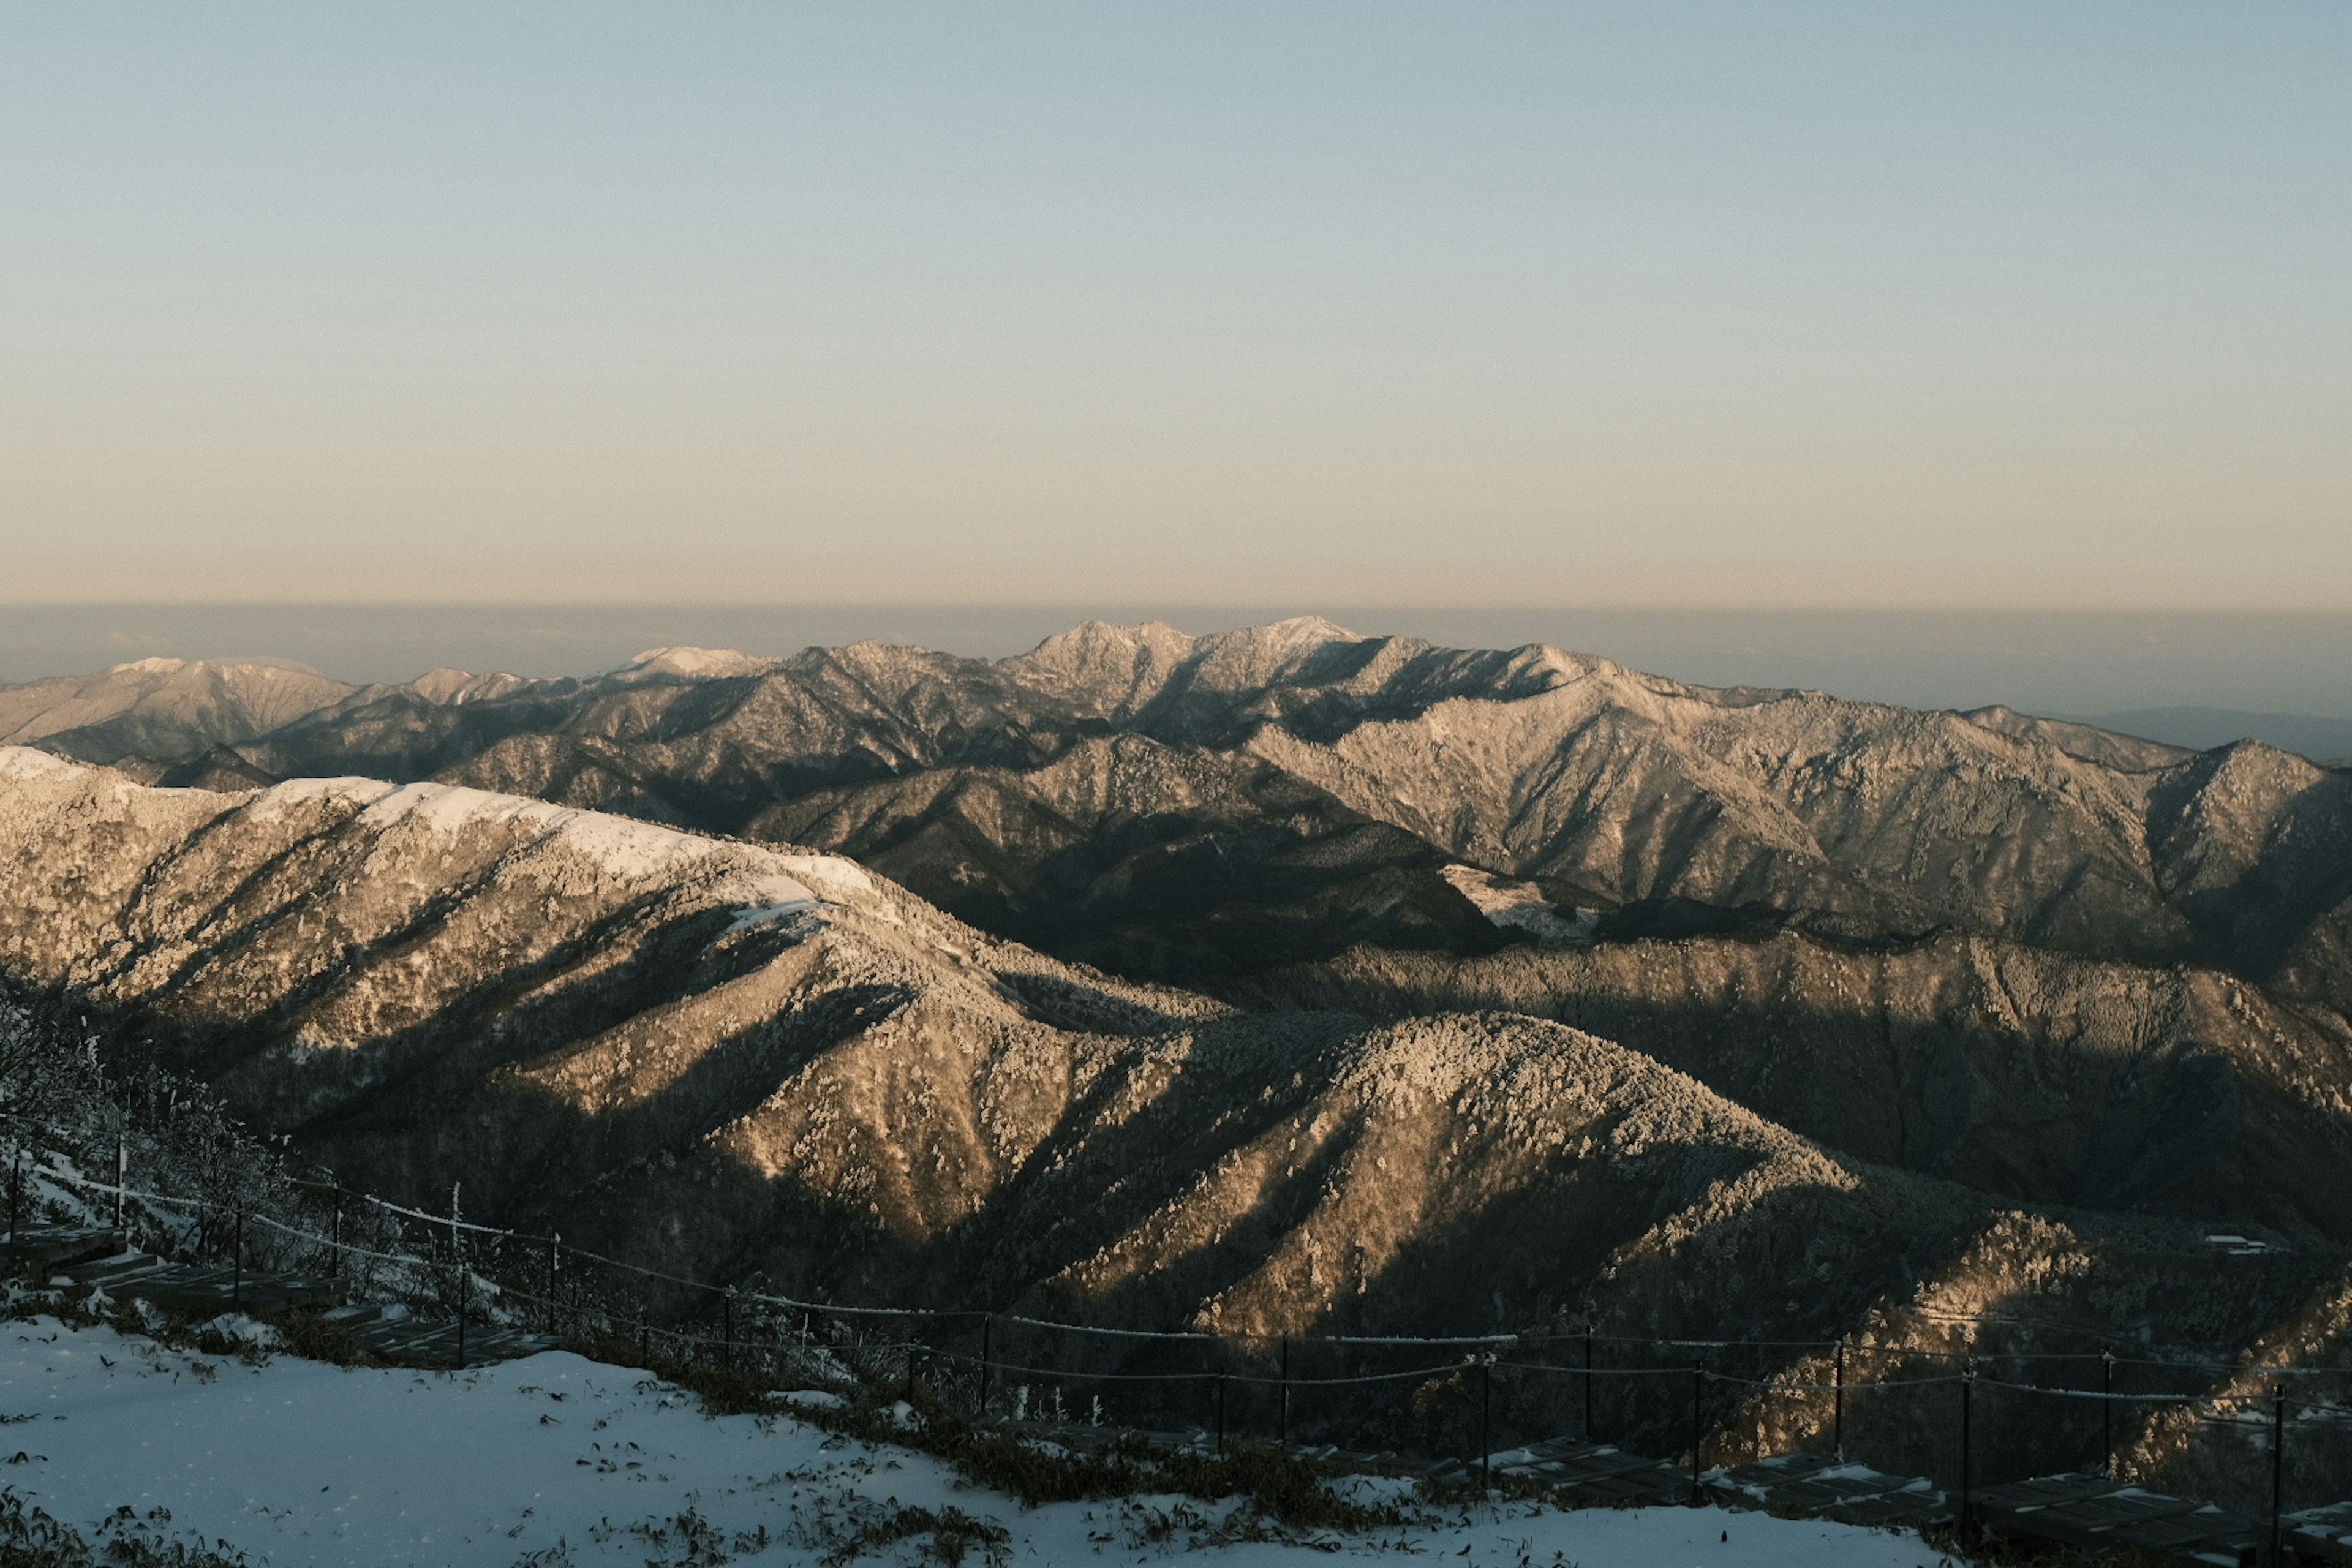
[{"x": 1962, "y": 1414}]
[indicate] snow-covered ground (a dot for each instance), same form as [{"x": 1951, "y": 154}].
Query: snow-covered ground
[{"x": 557, "y": 1460}]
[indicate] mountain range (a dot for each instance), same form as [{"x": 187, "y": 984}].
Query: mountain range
[{"x": 1278, "y": 980}]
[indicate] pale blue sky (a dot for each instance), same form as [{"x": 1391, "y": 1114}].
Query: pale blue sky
[{"x": 1296, "y": 305}]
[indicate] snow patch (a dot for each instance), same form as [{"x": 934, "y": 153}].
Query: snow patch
[
  {"x": 1521, "y": 906},
  {"x": 274, "y": 803},
  {"x": 761, "y": 914},
  {"x": 244, "y": 1329},
  {"x": 698, "y": 663},
  {"x": 558, "y": 1458},
  {"x": 148, "y": 667},
  {"x": 812, "y": 1398},
  {"x": 764, "y": 885},
  {"x": 25, "y": 762},
  {"x": 835, "y": 878}
]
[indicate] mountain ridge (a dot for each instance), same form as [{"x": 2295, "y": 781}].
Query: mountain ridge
[{"x": 1356, "y": 769}]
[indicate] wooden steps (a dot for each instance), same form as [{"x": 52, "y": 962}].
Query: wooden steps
[
  {"x": 1825, "y": 1486},
  {"x": 78, "y": 1258},
  {"x": 2322, "y": 1534}
]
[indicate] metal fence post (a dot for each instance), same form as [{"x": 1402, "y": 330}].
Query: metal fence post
[
  {"x": 727, "y": 1330},
  {"x": 1837, "y": 1404},
  {"x": 457, "y": 1265},
  {"x": 1281, "y": 1411},
  {"x": 122, "y": 1178},
  {"x": 2107, "y": 1410},
  {"x": 987, "y": 1355},
  {"x": 1698, "y": 1393},
  {"x": 2278, "y": 1471},
  {"x": 1967, "y": 1391},
  {"x": 1221, "y": 1413},
  {"x": 554, "y": 1252},
  {"x": 1588, "y": 1382},
  {"x": 1487, "y": 1424},
  {"x": 237, "y": 1262}
]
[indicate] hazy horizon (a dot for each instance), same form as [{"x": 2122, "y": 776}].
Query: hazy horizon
[{"x": 1743, "y": 307}]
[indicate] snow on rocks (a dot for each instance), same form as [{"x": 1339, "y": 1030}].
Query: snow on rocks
[
  {"x": 761, "y": 883},
  {"x": 697, "y": 663},
  {"x": 1521, "y": 906},
  {"x": 25, "y": 762},
  {"x": 562, "y": 1460}
]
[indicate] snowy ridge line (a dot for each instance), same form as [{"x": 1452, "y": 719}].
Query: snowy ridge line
[{"x": 796, "y": 1304}]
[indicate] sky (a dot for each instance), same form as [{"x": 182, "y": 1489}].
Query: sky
[{"x": 1776, "y": 307}]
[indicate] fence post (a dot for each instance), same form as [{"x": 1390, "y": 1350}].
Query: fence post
[
  {"x": 2107, "y": 1411},
  {"x": 1221, "y": 1413},
  {"x": 911, "y": 1369},
  {"x": 987, "y": 1355},
  {"x": 1282, "y": 1410},
  {"x": 1588, "y": 1382},
  {"x": 1837, "y": 1403},
  {"x": 554, "y": 1249},
  {"x": 645, "y": 1338},
  {"x": 727, "y": 1330},
  {"x": 237, "y": 1262},
  {"x": 1698, "y": 1431},
  {"x": 1487, "y": 1424},
  {"x": 457, "y": 1265},
  {"x": 335, "y": 1231},
  {"x": 2278, "y": 1469},
  {"x": 1967, "y": 1391},
  {"x": 16, "y": 1191},
  {"x": 121, "y": 1178}
]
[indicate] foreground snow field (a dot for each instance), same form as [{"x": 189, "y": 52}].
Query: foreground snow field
[{"x": 558, "y": 1459}]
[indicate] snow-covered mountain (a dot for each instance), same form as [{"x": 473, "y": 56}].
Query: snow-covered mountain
[
  {"x": 1184, "y": 808},
  {"x": 724, "y": 1058},
  {"x": 165, "y": 709},
  {"x": 1278, "y": 977}
]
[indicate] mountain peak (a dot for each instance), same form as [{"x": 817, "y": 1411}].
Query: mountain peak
[
  {"x": 1257, "y": 656},
  {"x": 1110, "y": 669},
  {"x": 697, "y": 663}
]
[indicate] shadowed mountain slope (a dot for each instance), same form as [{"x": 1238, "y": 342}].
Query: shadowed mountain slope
[
  {"x": 2042, "y": 1076},
  {"x": 735, "y": 1061},
  {"x": 580, "y": 1014}
]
